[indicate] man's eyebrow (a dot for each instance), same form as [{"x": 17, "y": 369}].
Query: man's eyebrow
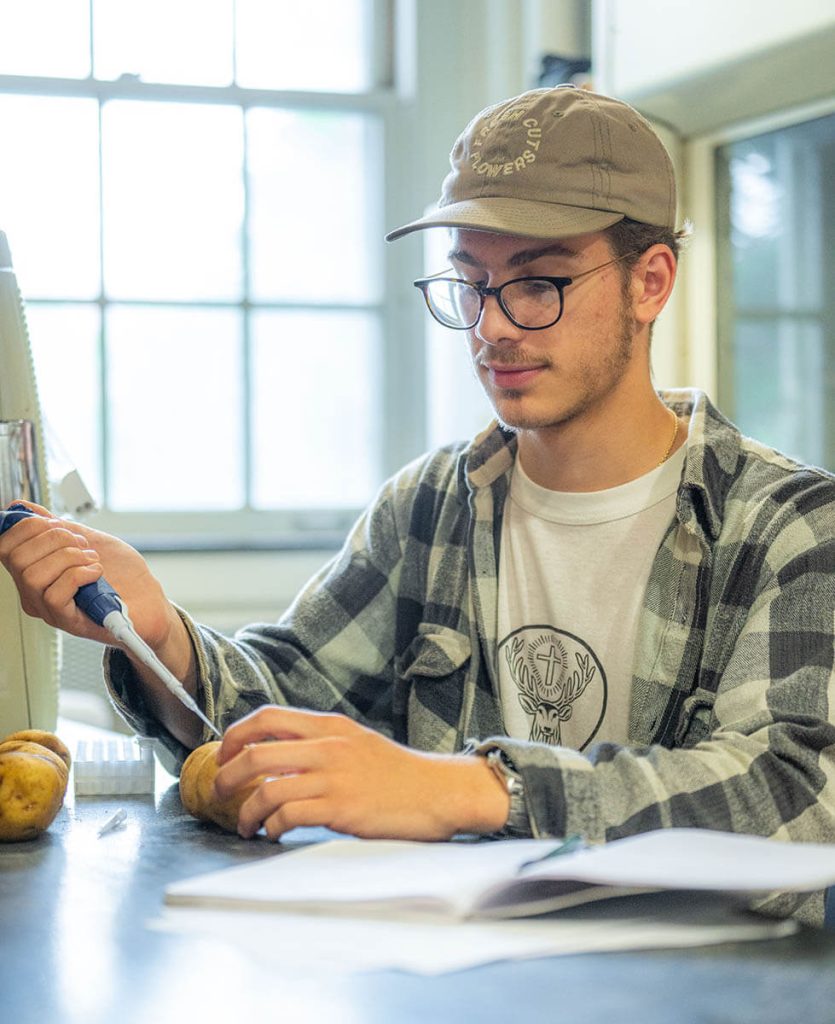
[
  {"x": 518, "y": 259},
  {"x": 462, "y": 256}
]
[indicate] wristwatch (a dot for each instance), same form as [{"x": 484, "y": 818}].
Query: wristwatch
[{"x": 518, "y": 822}]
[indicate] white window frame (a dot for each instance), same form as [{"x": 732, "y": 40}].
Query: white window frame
[
  {"x": 402, "y": 358},
  {"x": 701, "y": 356}
]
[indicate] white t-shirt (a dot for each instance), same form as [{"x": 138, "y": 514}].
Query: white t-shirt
[{"x": 573, "y": 572}]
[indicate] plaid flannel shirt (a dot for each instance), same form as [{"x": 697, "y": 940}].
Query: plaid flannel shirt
[{"x": 732, "y": 722}]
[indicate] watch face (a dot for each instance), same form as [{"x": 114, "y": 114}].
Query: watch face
[{"x": 502, "y": 770}]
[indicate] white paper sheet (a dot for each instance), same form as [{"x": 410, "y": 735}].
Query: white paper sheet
[
  {"x": 298, "y": 943},
  {"x": 369, "y": 905}
]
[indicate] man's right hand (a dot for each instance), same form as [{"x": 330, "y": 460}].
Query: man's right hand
[{"x": 50, "y": 558}]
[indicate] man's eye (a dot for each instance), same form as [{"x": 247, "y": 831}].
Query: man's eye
[{"x": 536, "y": 286}]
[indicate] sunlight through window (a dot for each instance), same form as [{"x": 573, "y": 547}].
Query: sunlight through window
[{"x": 198, "y": 346}]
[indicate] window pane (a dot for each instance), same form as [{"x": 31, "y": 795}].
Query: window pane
[
  {"x": 49, "y": 205},
  {"x": 65, "y": 346},
  {"x": 325, "y": 46},
  {"x": 775, "y": 364},
  {"x": 314, "y": 201},
  {"x": 315, "y": 418},
  {"x": 175, "y": 408},
  {"x": 45, "y": 37},
  {"x": 173, "y": 195},
  {"x": 778, "y": 347},
  {"x": 183, "y": 41}
]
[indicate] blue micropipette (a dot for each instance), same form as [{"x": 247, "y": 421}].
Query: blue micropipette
[{"x": 100, "y": 602}]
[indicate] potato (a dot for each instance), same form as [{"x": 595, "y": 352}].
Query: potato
[
  {"x": 197, "y": 791},
  {"x": 189, "y": 776},
  {"x": 46, "y": 739},
  {"x": 27, "y": 747},
  {"x": 34, "y": 768},
  {"x": 31, "y": 793}
]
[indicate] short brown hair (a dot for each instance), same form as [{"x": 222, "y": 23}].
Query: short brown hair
[{"x": 629, "y": 239}]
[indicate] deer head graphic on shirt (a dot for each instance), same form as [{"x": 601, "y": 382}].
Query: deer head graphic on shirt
[{"x": 547, "y": 683}]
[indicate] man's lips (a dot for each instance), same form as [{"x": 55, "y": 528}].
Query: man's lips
[{"x": 511, "y": 376}]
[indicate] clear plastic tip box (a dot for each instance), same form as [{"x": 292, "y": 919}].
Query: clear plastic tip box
[{"x": 107, "y": 766}]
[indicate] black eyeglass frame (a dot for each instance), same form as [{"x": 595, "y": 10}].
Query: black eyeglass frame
[{"x": 560, "y": 283}]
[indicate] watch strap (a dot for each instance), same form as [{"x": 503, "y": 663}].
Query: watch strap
[{"x": 518, "y": 821}]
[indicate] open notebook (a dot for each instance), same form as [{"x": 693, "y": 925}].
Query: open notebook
[{"x": 513, "y": 878}]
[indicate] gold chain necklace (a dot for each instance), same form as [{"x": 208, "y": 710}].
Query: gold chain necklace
[{"x": 672, "y": 440}]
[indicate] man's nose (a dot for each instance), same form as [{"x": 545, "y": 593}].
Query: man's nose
[{"x": 494, "y": 327}]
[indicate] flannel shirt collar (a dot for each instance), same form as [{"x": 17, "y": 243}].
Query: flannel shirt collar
[{"x": 710, "y": 466}]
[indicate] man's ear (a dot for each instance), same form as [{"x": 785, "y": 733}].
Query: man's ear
[{"x": 653, "y": 278}]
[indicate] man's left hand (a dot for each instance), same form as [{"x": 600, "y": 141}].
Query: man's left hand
[{"x": 328, "y": 770}]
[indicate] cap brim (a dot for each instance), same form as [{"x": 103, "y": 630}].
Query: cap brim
[{"x": 513, "y": 217}]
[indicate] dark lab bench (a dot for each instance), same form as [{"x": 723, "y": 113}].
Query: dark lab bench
[{"x": 75, "y": 949}]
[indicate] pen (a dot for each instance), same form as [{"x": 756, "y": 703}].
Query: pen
[{"x": 568, "y": 845}]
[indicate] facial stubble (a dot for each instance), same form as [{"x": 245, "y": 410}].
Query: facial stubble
[{"x": 592, "y": 383}]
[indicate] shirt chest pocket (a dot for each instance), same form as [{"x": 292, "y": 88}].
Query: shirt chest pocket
[
  {"x": 695, "y": 722},
  {"x": 432, "y": 676}
]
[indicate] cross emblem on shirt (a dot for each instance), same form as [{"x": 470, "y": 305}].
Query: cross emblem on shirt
[{"x": 552, "y": 662}]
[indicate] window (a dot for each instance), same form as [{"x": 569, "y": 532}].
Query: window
[
  {"x": 776, "y": 217},
  {"x": 193, "y": 192}
]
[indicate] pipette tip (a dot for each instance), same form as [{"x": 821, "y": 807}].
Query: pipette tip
[{"x": 115, "y": 821}]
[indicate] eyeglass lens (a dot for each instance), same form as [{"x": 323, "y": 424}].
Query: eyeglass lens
[{"x": 532, "y": 302}]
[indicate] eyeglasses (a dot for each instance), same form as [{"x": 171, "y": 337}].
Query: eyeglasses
[{"x": 531, "y": 303}]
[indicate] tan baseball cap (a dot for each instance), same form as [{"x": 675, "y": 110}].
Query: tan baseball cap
[{"x": 553, "y": 163}]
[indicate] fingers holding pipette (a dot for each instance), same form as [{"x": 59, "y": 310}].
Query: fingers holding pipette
[
  {"x": 60, "y": 569},
  {"x": 49, "y": 560}
]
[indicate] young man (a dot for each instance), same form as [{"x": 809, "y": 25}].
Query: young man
[{"x": 608, "y": 613}]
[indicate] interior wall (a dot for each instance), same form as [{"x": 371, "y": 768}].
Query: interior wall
[
  {"x": 227, "y": 589},
  {"x": 698, "y": 66}
]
